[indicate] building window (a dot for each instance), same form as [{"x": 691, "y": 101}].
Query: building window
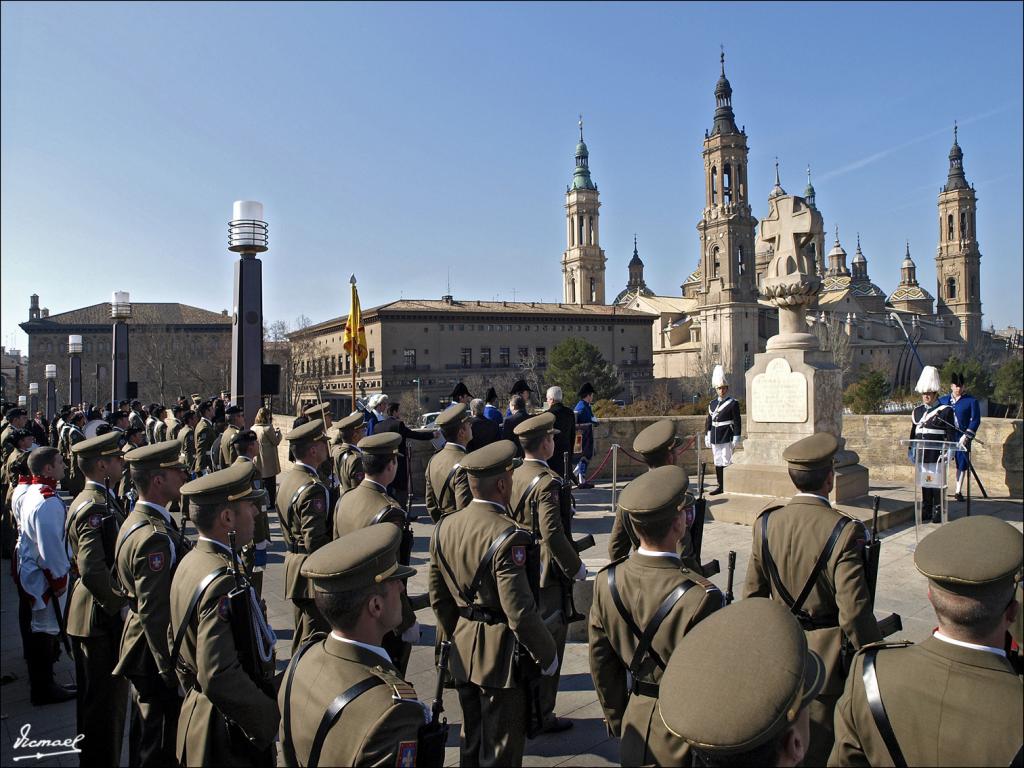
[
  {"x": 409, "y": 356},
  {"x": 634, "y": 354},
  {"x": 590, "y": 227},
  {"x": 579, "y": 238},
  {"x": 715, "y": 264},
  {"x": 714, "y": 350},
  {"x": 485, "y": 357},
  {"x": 739, "y": 182},
  {"x": 467, "y": 357},
  {"x": 740, "y": 268},
  {"x": 593, "y": 291},
  {"x": 524, "y": 352},
  {"x": 572, "y": 226},
  {"x": 572, "y": 290},
  {"x": 727, "y": 183},
  {"x": 348, "y": 363},
  {"x": 503, "y": 357},
  {"x": 949, "y": 227},
  {"x": 373, "y": 359},
  {"x": 950, "y": 287},
  {"x": 542, "y": 356},
  {"x": 714, "y": 185},
  {"x": 963, "y": 226}
]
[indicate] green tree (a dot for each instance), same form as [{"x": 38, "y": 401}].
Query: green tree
[
  {"x": 575, "y": 362},
  {"x": 868, "y": 394},
  {"x": 1010, "y": 383},
  {"x": 977, "y": 376}
]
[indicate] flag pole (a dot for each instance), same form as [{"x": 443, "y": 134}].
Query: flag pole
[{"x": 354, "y": 352}]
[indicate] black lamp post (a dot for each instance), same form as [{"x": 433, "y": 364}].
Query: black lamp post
[
  {"x": 247, "y": 236},
  {"x": 120, "y": 311},
  {"x": 75, "y": 353}
]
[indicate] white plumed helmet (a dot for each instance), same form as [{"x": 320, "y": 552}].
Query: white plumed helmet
[
  {"x": 929, "y": 381},
  {"x": 718, "y": 378}
]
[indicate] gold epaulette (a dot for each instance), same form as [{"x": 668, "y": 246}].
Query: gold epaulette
[{"x": 400, "y": 689}]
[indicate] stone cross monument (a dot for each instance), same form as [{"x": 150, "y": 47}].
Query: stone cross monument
[{"x": 793, "y": 388}]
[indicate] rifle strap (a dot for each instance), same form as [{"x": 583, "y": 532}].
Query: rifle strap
[
  {"x": 379, "y": 517},
  {"x": 521, "y": 506},
  {"x": 878, "y": 713},
  {"x": 287, "y": 745},
  {"x": 73, "y": 515},
  {"x": 179, "y": 635},
  {"x": 644, "y": 647},
  {"x": 287, "y": 524},
  {"x": 333, "y": 712},
  {"x": 469, "y": 596},
  {"x": 628, "y": 617},
  {"x": 447, "y": 484},
  {"x": 796, "y": 606}
]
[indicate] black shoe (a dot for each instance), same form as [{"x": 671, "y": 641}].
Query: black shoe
[
  {"x": 959, "y": 497},
  {"x": 581, "y": 486},
  {"x": 717, "y": 491},
  {"x": 53, "y": 694},
  {"x": 556, "y": 724},
  {"x": 926, "y": 514}
]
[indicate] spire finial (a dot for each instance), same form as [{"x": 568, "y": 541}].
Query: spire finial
[
  {"x": 808, "y": 174},
  {"x": 908, "y": 249},
  {"x": 858, "y": 241},
  {"x": 954, "y": 131},
  {"x": 581, "y": 126},
  {"x": 722, "y": 59},
  {"x": 837, "y": 233},
  {"x": 634, "y": 242},
  {"x": 777, "y": 184}
]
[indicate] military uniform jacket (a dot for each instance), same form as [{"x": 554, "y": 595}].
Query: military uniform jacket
[
  {"x": 482, "y": 653},
  {"x": 377, "y": 728},
  {"x": 228, "y": 451},
  {"x": 145, "y": 561},
  {"x": 643, "y": 582},
  {"x": 623, "y": 537},
  {"x": 74, "y": 481},
  {"x": 443, "y": 495},
  {"x": 216, "y": 686},
  {"x": 557, "y": 550},
  {"x": 302, "y": 509},
  {"x": 348, "y": 465},
  {"x": 839, "y": 602},
  {"x": 160, "y": 431},
  {"x": 204, "y": 436},
  {"x": 723, "y": 420},
  {"x": 186, "y": 437},
  {"x": 151, "y": 423},
  {"x": 173, "y": 428},
  {"x": 946, "y": 704},
  {"x": 95, "y": 607},
  {"x": 935, "y": 423},
  {"x": 135, "y": 419}
]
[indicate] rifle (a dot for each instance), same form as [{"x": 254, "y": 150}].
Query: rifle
[
  {"x": 527, "y": 669},
  {"x": 433, "y": 736},
  {"x": 872, "y": 552},
  {"x": 700, "y": 506},
  {"x": 732, "y": 572},
  {"x": 566, "y": 502}
]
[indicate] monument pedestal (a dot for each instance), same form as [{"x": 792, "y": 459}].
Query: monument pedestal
[{"x": 792, "y": 393}]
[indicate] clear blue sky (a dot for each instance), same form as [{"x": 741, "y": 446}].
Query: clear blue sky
[{"x": 404, "y": 142}]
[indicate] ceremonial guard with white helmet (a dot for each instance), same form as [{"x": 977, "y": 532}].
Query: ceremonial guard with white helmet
[
  {"x": 937, "y": 422},
  {"x": 722, "y": 426}
]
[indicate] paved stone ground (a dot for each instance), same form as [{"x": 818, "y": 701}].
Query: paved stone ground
[{"x": 901, "y": 589}]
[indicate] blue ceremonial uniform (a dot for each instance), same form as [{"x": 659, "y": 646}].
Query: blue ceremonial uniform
[
  {"x": 585, "y": 421},
  {"x": 968, "y": 419},
  {"x": 491, "y": 412}
]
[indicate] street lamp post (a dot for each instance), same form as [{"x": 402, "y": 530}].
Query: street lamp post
[
  {"x": 33, "y": 394},
  {"x": 247, "y": 236},
  {"x": 51, "y": 391},
  {"x": 75, "y": 353},
  {"x": 120, "y": 311},
  {"x": 419, "y": 402},
  {"x": 22, "y": 400}
]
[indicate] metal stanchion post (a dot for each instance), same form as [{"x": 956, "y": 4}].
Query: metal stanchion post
[{"x": 615, "y": 474}]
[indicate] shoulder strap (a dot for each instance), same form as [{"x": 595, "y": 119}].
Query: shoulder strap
[
  {"x": 379, "y": 517},
  {"x": 521, "y": 506},
  {"x": 444, "y": 562},
  {"x": 333, "y": 712},
  {"x": 627, "y": 616},
  {"x": 125, "y": 536},
  {"x": 73, "y": 515},
  {"x": 286, "y": 715},
  {"x": 1018, "y": 759},
  {"x": 878, "y": 713},
  {"x": 447, "y": 483},
  {"x": 485, "y": 564},
  {"x": 302, "y": 489},
  {"x": 796, "y": 606},
  {"x": 179, "y": 635},
  {"x": 644, "y": 647},
  {"x": 773, "y": 573}
]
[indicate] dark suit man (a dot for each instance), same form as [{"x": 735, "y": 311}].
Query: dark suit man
[
  {"x": 565, "y": 423},
  {"x": 485, "y": 431},
  {"x": 518, "y": 416}
]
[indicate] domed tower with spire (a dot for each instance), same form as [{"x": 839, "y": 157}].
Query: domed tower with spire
[
  {"x": 583, "y": 262},
  {"x": 636, "y": 286},
  {"x": 728, "y": 289},
  {"x": 909, "y": 296},
  {"x": 958, "y": 260}
]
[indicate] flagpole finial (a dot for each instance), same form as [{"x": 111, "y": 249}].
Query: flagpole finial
[{"x": 352, "y": 279}]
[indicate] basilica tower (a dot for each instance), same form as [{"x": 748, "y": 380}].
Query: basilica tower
[
  {"x": 583, "y": 261},
  {"x": 728, "y": 290},
  {"x": 957, "y": 259}
]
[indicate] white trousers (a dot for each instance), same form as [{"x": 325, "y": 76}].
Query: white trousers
[
  {"x": 45, "y": 620},
  {"x": 722, "y": 453}
]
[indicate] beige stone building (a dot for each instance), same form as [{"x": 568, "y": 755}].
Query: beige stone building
[{"x": 14, "y": 374}]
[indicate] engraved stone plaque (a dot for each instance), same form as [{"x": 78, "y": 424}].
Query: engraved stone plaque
[{"x": 779, "y": 394}]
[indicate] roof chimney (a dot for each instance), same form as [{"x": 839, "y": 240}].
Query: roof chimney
[
  {"x": 45, "y": 312},
  {"x": 33, "y": 307}
]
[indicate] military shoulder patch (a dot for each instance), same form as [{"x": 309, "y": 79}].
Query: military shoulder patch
[
  {"x": 406, "y": 754},
  {"x": 95, "y": 520},
  {"x": 157, "y": 561},
  {"x": 224, "y": 608},
  {"x": 519, "y": 554}
]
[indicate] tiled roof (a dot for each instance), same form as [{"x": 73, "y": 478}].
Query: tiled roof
[
  {"x": 143, "y": 313},
  {"x": 910, "y": 293}
]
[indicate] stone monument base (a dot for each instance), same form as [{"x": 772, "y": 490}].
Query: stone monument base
[{"x": 772, "y": 480}]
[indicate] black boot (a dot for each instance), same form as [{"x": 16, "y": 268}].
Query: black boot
[
  {"x": 719, "y": 471},
  {"x": 43, "y": 689}
]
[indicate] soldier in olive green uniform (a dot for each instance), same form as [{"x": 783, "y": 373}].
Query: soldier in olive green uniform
[
  {"x": 94, "y": 612},
  {"x": 236, "y": 423},
  {"x": 358, "y": 583},
  {"x": 789, "y": 542},
  {"x": 537, "y": 487},
  {"x": 346, "y": 458},
  {"x": 953, "y": 699},
  {"x": 20, "y": 441},
  {"x": 229, "y": 716},
  {"x": 74, "y": 482},
  {"x": 149, "y": 547},
  {"x": 651, "y": 595},
  {"x": 368, "y": 504},
  {"x": 326, "y": 470},
  {"x": 659, "y": 446},
  {"x": 735, "y": 707},
  {"x": 204, "y": 436},
  {"x": 254, "y": 553},
  {"x": 486, "y": 605},
  {"x": 447, "y": 488},
  {"x": 302, "y": 509},
  {"x": 186, "y": 436}
]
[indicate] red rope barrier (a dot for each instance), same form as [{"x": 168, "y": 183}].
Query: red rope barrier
[{"x": 689, "y": 444}]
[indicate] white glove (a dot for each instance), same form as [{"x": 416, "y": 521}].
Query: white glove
[
  {"x": 412, "y": 634},
  {"x": 594, "y": 420},
  {"x": 707, "y": 439},
  {"x": 735, "y": 441},
  {"x": 581, "y": 574},
  {"x": 552, "y": 669},
  {"x": 962, "y": 445}
]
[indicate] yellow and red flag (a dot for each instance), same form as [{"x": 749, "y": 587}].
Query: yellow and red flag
[{"x": 355, "y": 334}]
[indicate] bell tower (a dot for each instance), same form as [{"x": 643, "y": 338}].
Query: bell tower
[
  {"x": 728, "y": 290},
  {"x": 583, "y": 261},
  {"x": 957, "y": 259}
]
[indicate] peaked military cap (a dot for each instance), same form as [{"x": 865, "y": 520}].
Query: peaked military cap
[
  {"x": 657, "y": 494},
  {"x": 453, "y": 414},
  {"x": 162, "y": 455},
  {"x": 308, "y": 432},
  {"x": 543, "y": 424},
  {"x": 812, "y": 452},
  {"x": 494, "y": 459},
  {"x": 461, "y": 390},
  {"x": 231, "y": 484},
  {"x": 357, "y": 560},
  {"x": 519, "y": 387},
  {"x": 13, "y": 413},
  {"x": 243, "y": 435},
  {"x": 196, "y": 397},
  {"x": 659, "y": 436},
  {"x": 96, "y": 447},
  {"x": 354, "y": 419},
  {"x": 317, "y": 411},
  {"x": 713, "y": 663},
  {"x": 586, "y": 389},
  {"x": 21, "y": 434},
  {"x": 971, "y": 555},
  {"x": 231, "y": 410},
  {"x": 380, "y": 444}
]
